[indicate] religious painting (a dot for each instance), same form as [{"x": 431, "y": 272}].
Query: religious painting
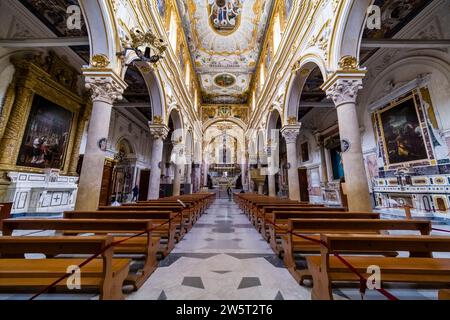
[
  {"x": 225, "y": 80},
  {"x": 225, "y": 15},
  {"x": 47, "y": 135},
  {"x": 402, "y": 134}
]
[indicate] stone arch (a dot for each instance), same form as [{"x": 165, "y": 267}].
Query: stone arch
[
  {"x": 349, "y": 31},
  {"x": 103, "y": 37},
  {"x": 153, "y": 84},
  {"x": 272, "y": 120},
  {"x": 297, "y": 81},
  {"x": 236, "y": 121}
]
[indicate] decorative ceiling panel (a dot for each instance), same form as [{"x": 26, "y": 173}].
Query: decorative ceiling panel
[
  {"x": 225, "y": 40},
  {"x": 53, "y": 13},
  {"x": 396, "y": 14}
]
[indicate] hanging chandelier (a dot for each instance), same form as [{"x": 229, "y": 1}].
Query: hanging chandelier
[{"x": 146, "y": 45}]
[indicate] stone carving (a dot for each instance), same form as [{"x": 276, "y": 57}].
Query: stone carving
[
  {"x": 104, "y": 89},
  {"x": 290, "y": 133},
  {"x": 344, "y": 91},
  {"x": 159, "y": 131}
]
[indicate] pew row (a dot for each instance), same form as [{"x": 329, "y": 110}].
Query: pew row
[
  {"x": 145, "y": 245},
  {"x": 104, "y": 275},
  {"x": 419, "y": 268},
  {"x": 293, "y": 245},
  {"x": 278, "y": 221}
]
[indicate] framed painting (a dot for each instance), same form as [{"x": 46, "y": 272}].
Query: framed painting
[
  {"x": 47, "y": 135},
  {"x": 402, "y": 133}
]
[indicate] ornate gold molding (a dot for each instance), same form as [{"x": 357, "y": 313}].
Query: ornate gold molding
[
  {"x": 35, "y": 76},
  {"x": 100, "y": 61},
  {"x": 349, "y": 63}
]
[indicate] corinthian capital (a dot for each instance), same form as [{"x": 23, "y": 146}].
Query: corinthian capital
[
  {"x": 344, "y": 91},
  {"x": 343, "y": 86},
  {"x": 159, "y": 131},
  {"x": 290, "y": 133},
  {"x": 104, "y": 89}
]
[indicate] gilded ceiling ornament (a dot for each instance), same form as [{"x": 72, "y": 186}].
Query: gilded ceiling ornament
[
  {"x": 100, "y": 61},
  {"x": 157, "y": 120},
  {"x": 348, "y": 63},
  {"x": 292, "y": 121},
  {"x": 296, "y": 66}
]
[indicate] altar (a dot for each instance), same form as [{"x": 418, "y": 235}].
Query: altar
[{"x": 33, "y": 193}]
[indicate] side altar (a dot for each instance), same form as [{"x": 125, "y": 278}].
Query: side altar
[{"x": 40, "y": 193}]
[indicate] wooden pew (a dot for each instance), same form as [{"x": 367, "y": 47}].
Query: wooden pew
[
  {"x": 183, "y": 224},
  {"x": 278, "y": 221},
  {"x": 105, "y": 274},
  {"x": 419, "y": 268},
  {"x": 312, "y": 228},
  {"x": 5, "y": 211},
  {"x": 146, "y": 245},
  {"x": 264, "y": 214},
  {"x": 161, "y": 227},
  {"x": 444, "y": 294}
]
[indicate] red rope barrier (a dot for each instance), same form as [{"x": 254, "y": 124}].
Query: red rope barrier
[
  {"x": 363, "y": 280},
  {"x": 113, "y": 244},
  {"x": 440, "y": 230}
]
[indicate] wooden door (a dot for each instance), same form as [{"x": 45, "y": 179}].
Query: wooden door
[
  {"x": 303, "y": 181},
  {"x": 105, "y": 191},
  {"x": 144, "y": 183}
]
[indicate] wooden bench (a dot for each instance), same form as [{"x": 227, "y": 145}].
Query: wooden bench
[
  {"x": 190, "y": 214},
  {"x": 444, "y": 294},
  {"x": 265, "y": 213},
  {"x": 278, "y": 221},
  {"x": 5, "y": 211},
  {"x": 105, "y": 275},
  {"x": 294, "y": 245},
  {"x": 183, "y": 224},
  {"x": 161, "y": 227},
  {"x": 419, "y": 268},
  {"x": 146, "y": 245}
]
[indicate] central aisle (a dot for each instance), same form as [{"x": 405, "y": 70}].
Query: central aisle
[{"x": 222, "y": 258}]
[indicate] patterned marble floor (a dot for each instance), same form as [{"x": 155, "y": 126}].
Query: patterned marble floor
[{"x": 222, "y": 257}]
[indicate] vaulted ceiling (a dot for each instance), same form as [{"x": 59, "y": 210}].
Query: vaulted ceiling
[{"x": 225, "y": 40}]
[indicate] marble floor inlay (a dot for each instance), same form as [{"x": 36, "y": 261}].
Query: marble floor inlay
[{"x": 222, "y": 258}]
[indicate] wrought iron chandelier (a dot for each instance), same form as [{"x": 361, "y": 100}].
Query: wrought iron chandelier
[{"x": 146, "y": 45}]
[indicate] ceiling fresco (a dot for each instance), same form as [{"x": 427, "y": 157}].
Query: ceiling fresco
[
  {"x": 396, "y": 14},
  {"x": 225, "y": 40},
  {"x": 53, "y": 14}
]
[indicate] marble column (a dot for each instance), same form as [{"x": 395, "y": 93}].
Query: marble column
[
  {"x": 205, "y": 174},
  {"x": 188, "y": 172},
  {"x": 197, "y": 177},
  {"x": 260, "y": 188},
  {"x": 290, "y": 134},
  {"x": 244, "y": 173},
  {"x": 271, "y": 169},
  {"x": 323, "y": 164},
  {"x": 159, "y": 133},
  {"x": 343, "y": 88},
  {"x": 178, "y": 167},
  {"x": 105, "y": 90}
]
